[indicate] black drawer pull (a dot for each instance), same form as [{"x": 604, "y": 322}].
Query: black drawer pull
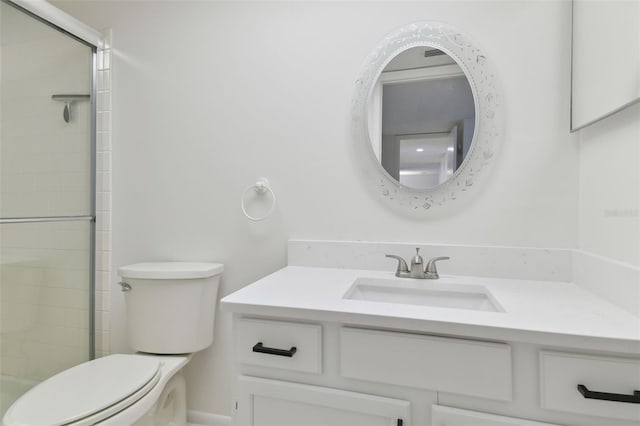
[
  {"x": 633, "y": 399},
  {"x": 273, "y": 351}
]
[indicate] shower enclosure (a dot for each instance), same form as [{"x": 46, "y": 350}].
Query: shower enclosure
[{"x": 47, "y": 200}]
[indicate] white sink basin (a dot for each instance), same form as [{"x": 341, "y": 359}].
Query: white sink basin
[{"x": 424, "y": 293}]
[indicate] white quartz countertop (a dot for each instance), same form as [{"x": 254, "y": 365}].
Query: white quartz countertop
[{"x": 539, "y": 312}]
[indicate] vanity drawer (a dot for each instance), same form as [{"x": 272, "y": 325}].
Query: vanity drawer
[
  {"x": 561, "y": 373},
  {"x": 279, "y": 344},
  {"x": 459, "y": 366}
]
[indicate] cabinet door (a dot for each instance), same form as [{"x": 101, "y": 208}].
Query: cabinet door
[{"x": 263, "y": 402}]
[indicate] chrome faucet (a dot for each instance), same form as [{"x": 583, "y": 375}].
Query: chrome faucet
[{"x": 416, "y": 271}]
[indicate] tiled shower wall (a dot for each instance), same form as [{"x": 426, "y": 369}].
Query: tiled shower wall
[
  {"x": 44, "y": 291},
  {"x": 45, "y": 171},
  {"x": 103, "y": 198}
]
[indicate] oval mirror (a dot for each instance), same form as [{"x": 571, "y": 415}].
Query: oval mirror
[
  {"x": 426, "y": 116},
  {"x": 421, "y": 117}
]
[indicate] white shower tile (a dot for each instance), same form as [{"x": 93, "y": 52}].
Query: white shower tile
[
  {"x": 103, "y": 81},
  {"x": 106, "y": 260},
  {"x": 103, "y": 342},
  {"x": 106, "y": 220},
  {"x": 104, "y": 139},
  {"x": 106, "y": 241},
  {"x": 14, "y": 365},
  {"x": 100, "y": 59},
  {"x": 103, "y": 319},
  {"x": 106, "y": 123},
  {"x": 99, "y": 227},
  {"x": 106, "y": 64},
  {"x": 105, "y": 201},
  {"x": 104, "y": 181},
  {"x": 102, "y": 281},
  {"x": 99, "y": 201},
  {"x": 103, "y": 300}
]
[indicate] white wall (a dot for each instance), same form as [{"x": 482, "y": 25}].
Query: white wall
[
  {"x": 610, "y": 187},
  {"x": 208, "y": 96}
]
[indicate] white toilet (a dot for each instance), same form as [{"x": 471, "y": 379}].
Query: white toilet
[{"x": 170, "y": 315}]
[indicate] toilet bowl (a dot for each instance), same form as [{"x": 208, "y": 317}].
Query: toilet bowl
[{"x": 170, "y": 314}]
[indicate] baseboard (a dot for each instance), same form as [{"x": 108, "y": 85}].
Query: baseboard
[{"x": 201, "y": 418}]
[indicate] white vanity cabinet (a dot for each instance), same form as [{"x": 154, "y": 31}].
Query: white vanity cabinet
[
  {"x": 287, "y": 375},
  {"x": 303, "y": 373}
]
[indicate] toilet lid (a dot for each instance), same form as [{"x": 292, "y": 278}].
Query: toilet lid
[{"x": 85, "y": 390}]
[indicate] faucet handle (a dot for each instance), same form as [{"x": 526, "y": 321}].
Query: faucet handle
[
  {"x": 402, "y": 265},
  {"x": 417, "y": 259},
  {"x": 431, "y": 269}
]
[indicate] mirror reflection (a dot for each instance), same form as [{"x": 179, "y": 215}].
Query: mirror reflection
[{"x": 421, "y": 117}]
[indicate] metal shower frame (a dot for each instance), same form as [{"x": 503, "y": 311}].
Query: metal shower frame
[{"x": 60, "y": 21}]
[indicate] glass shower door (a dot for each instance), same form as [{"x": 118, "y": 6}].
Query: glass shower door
[{"x": 46, "y": 201}]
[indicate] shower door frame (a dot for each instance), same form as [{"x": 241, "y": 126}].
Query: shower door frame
[{"x": 51, "y": 16}]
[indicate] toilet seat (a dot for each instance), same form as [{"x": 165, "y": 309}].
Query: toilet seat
[{"x": 87, "y": 393}]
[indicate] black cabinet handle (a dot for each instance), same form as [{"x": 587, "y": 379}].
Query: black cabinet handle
[
  {"x": 617, "y": 397},
  {"x": 273, "y": 351}
]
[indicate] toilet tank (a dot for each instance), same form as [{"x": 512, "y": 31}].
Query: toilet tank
[{"x": 170, "y": 306}]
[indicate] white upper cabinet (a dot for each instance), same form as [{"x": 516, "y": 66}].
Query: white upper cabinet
[{"x": 605, "y": 71}]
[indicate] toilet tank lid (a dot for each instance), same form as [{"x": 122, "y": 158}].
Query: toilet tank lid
[{"x": 170, "y": 270}]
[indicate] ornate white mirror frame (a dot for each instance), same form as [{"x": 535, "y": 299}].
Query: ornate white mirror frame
[{"x": 488, "y": 123}]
